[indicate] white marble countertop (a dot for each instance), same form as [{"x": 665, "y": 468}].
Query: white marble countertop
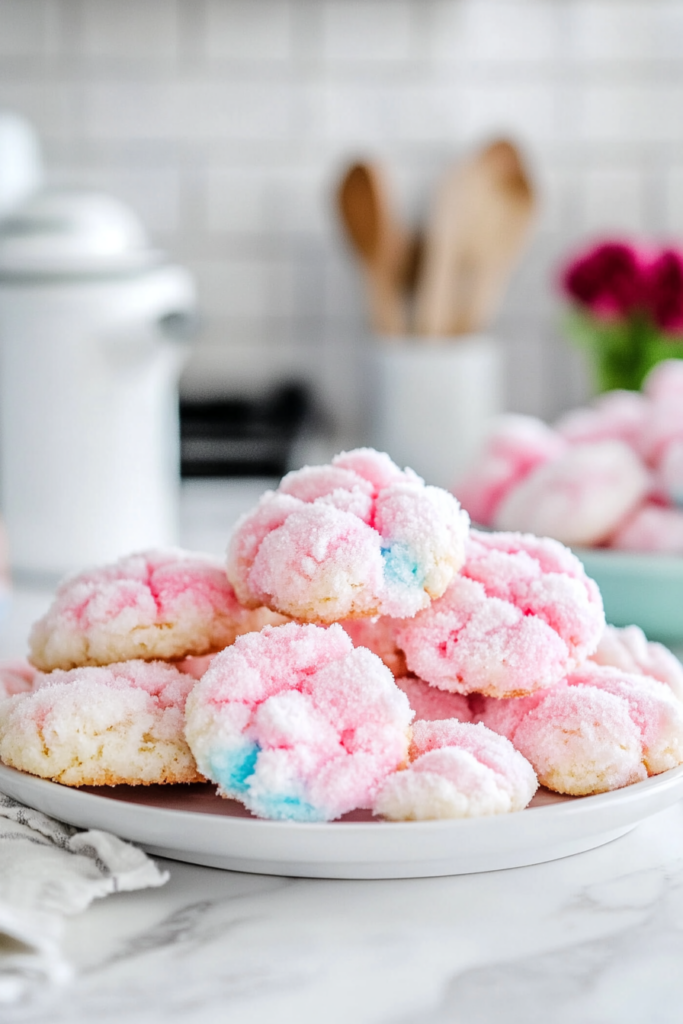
[{"x": 591, "y": 939}]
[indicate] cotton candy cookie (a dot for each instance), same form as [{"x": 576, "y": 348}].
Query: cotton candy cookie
[
  {"x": 515, "y": 446},
  {"x": 581, "y": 497},
  {"x": 154, "y": 604},
  {"x": 298, "y": 724},
  {"x": 457, "y": 770},
  {"x": 520, "y": 615},
  {"x": 598, "y": 730},
  {"x": 613, "y": 416},
  {"x": 629, "y": 650},
  {"x": 353, "y": 539},
  {"x": 101, "y": 726}
]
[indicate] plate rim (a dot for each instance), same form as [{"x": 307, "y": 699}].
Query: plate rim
[{"x": 565, "y": 808}]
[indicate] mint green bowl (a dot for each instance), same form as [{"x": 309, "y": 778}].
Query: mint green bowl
[{"x": 639, "y": 588}]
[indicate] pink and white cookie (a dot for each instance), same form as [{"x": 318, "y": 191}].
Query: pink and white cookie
[
  {"x": 615, "y": 416},
  {"x": 629, "y": 650},
  {"x": 433, "y": 705},
  {"x": 520, "y": 615},
  {"x": 579, "y": 498},
  {"x": 457, "y": 770},
  {"x": 356, "y": 538},
  {"x": 664, "y": 382},
  {"x": 515, "y": 446},
  {"x": 298, "y": 724},
  {"x": 664, "y": 426},
  {"x": 651, "y": 527},
  {"x": 150, "y": 605},
  {"x": 98, "y": 726},
  {"x": 599, "y": 730}
]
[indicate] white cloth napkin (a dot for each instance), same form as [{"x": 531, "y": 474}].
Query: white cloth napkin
[{"x": 48, "y": 870}]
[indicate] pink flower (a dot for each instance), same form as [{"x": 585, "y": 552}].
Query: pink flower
[
  {"x": 609, "y": 280},
  {"x": 665, "y": 290}
]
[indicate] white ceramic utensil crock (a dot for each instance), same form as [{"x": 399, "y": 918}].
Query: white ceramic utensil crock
[{"x": 91, "y": 346}]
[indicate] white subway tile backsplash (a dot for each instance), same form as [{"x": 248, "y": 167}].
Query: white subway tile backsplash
[
  {"x": 24, "y": 27},
  {"x": 613, "y": 201},
  {"x": 367, "y": 30},
  {"x": 632, "y": 113},
  {"x": 235, "y": 110},
  {"x": 256, "y": 289},
  {"x": 673, "y": 225},
  {"x": 244, "y": 30},
  {"x": 522, "y": 110},
  {"x": 130, "y": 109},
  {"x": 143, "y": 29},
  {"x": 494, "y": 31},
  {"x": 154, "y": 193},
  {"x": 236, "y": 200},
  {"x": 616, "y": 30},
  {"x": 53, "y": 108},
  {"x": 233, "y": 288}
]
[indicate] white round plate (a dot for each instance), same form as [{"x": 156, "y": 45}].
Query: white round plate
[{"x": 190, "y": 823}]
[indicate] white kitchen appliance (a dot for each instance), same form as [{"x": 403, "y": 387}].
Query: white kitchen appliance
[{"x": 93, "y": 335}]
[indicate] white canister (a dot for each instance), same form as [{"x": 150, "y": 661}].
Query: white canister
[
  {"x": 90, "y": 355},
  {"x": 432, "y": 404}
]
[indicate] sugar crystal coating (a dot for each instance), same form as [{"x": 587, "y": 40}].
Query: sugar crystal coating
[
  {"x": 457, "y": 770},
  {"x": 629, "y": 650},
  {"x": 519, "y": 616},
  {"x": 98, "y": 726},
  {"x": 598, "y": 730},
  {"x": 298, "y": 724},
  {"x": 154, "y": 604},
  {"x": 357, "y": 538}
]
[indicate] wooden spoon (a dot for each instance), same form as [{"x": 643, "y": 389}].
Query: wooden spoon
[
  {"x": 479, "y": 221},
  {"x": 383, "y": 245},
  {"x": 500, "y": 227}
]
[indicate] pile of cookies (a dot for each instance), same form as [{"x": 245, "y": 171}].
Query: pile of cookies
[
  {"x": 610, "y": 474},
  {"x": 364, "y": 649}
]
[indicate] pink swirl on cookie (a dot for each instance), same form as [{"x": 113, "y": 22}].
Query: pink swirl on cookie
[
  {"x": 598, "y": 730},
  {"x": 154, "y": 604},
  {"x": 101, "y": 726},
  {"x": 298, "y": 724},
  {"x": 629, "y": 650},
  {"x": 520, "y": 615},
  {"x": 457, "y": 770},
  {"x": 353, "y": 539}
]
